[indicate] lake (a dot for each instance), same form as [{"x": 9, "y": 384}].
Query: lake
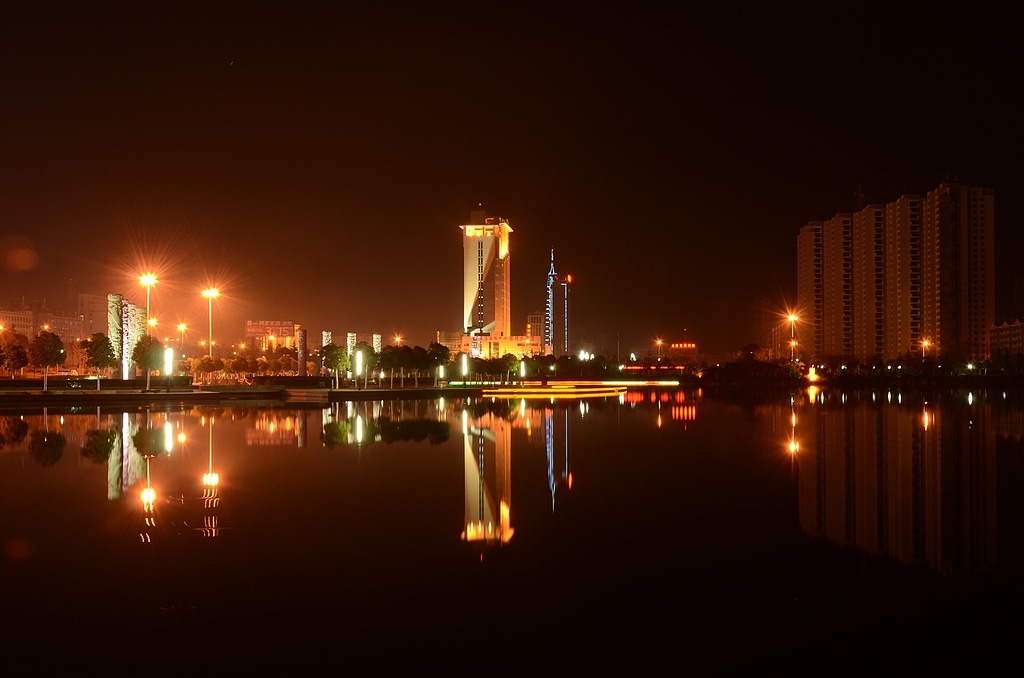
[{"x": 833, "y": 532}]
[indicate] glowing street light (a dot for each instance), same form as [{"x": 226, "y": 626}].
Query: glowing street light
[
  {"x": 792, "y": 336},
  {"x": 658, "y": 342},
  {"x": 398, "y": 340},
  {"x": 924, "y": 347},
  {"x": 147, "y": 280},
  {"x": 211, "y": 294},
  {"x": 181, "y": 328}
]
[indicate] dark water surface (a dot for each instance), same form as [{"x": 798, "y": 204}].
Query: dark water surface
[{"x": 859, "y": 533}]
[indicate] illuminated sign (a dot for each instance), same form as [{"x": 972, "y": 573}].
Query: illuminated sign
[{"x": 269, "y": 328}]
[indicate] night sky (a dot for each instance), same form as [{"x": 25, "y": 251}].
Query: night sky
[{"x": 315, "y": 163}]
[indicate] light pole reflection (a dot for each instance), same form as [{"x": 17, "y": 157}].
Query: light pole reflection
[{"x": 211, "y": 481}]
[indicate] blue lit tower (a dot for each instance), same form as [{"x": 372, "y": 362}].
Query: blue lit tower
[
  {"x": 549, "y": 307},
  {"x": 556, "y": 329}
]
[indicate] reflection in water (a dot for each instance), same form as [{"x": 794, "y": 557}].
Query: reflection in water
[
  {"x": 487, "y": 449},
  {"x": 902, "y": 476}
]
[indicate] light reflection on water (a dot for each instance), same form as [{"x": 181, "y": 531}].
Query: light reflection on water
[{"x": 651, "y": 489}]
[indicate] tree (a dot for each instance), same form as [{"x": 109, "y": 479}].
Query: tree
[
  {"x": 420, "y": 361},
  {"x": 99, "y": 444},
  {"x": 46, "y": 448},
  {"x": 335, "y": 433},
  {"x": 13, "y": 351},
  {"x": 335, "y": 358},
  {"x": 148, "y": 354},
  {"x": 99, "y": 354},
  {"x": 240, "y": 365},
  {"x": 46, "y": 351},
  {"x": 12, "y": 431},
  {"x": 438, "y": 355}
]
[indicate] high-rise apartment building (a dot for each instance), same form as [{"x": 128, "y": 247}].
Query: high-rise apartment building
[
  {"x": 837, "y": 284},
  {"x": 486, "y": 275},
  {"x": 913, "y": 277},
  {"x": 902, "y": 330},
  {"x": 958, "y": 251},
  {"x": 809, "y": 281},
  {"x": 868, "y": 274}
]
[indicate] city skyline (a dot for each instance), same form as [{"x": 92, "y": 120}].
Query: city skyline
[{"x": 309, "y": 163}]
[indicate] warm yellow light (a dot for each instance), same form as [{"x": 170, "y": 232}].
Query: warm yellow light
[
  {"x": 793, "y": 318},
  {"x": 152, "y": 322},
  {"x": 147, "y": 280},
  {"x": 182, "y": 327},
  {"x": 211, "y": 293}
]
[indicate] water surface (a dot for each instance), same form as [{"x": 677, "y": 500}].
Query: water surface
[{"x": 811, "y": 532}]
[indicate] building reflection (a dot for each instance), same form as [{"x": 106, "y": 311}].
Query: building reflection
[
  {"x": 900, "y": 476},
  {"x": 487, "y": 459}
]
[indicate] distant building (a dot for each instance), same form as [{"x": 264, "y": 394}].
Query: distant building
[
  {"x": 911, "y": 277},
  {"x": 682, "y": 351},
  {"x": 535, "y": 324},
  {"x": 1007, "y": 338},
  {"x": 18, "y": 321},
  {"x": 92, "y": 310},
  {"x": 67, "y": 326}
]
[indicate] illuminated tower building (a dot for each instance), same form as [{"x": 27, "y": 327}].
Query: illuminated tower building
[
  {"x": 486, "y": 277},
  {"x": 556, "y": 311},
  {"x": 902, "y": 276}
]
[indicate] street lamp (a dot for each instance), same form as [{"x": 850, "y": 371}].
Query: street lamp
[
  {"x": 658, "y": 342},
  {"x": 147, "y": 280},
  {"x": 792, "y": 336},
  {"x": 181, "y": 328},
  {"x": 924, "y": 348},
  {"x": 211, "y": 294}
]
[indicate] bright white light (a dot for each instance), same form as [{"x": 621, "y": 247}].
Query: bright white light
[
  {"x": 359, "y": 363},
  {"x": 465, "y": 365},
  {"x": 168, "y": 360}
]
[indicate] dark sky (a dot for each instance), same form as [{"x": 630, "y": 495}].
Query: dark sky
[{"x": 316, "y": 163}]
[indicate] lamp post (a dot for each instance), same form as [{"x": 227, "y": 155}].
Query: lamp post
[
  {"x": 147, "y": 280},
  {"x": 924, "y": 348},
  {"x": 792, "y": 336},
  {"x": 658, "y": 342},
  {"x": 181, "y": 328},
  {"x": 211, "y": 294}
]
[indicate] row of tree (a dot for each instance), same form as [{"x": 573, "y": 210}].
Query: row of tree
[{"x": 16, "y": 351}]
